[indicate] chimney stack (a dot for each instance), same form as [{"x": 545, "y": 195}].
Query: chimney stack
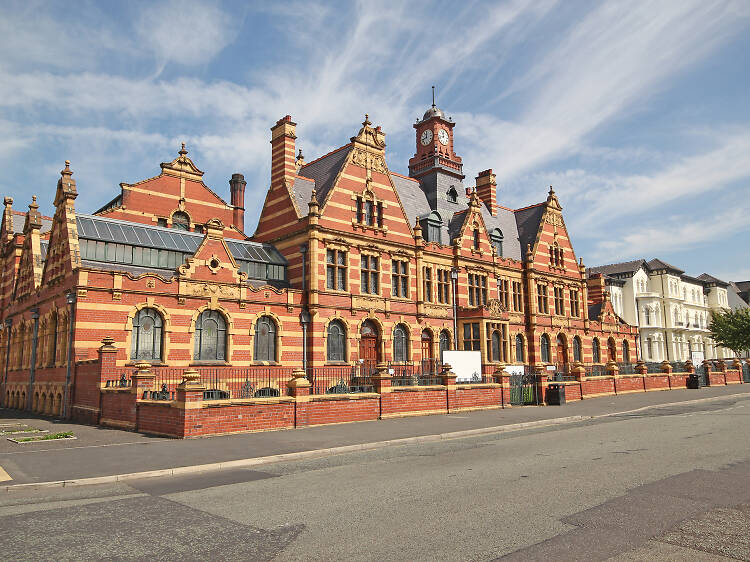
[
  {"x": 283, "y": 160},
  {"x": 237, "y": 191},
  {"x": 487, "y": 190}
]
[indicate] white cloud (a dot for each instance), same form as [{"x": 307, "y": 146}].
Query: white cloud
[{"x": 186, "y": 32}]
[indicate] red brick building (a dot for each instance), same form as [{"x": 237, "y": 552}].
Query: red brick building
[{"x": 350, "y": 265}]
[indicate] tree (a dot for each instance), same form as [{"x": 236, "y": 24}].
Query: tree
[{"x": 731, "y": 329}]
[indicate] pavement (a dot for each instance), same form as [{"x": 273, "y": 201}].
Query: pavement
[
  {"x": 669, "y": 482},
  {"x": 110, "y": 454}
]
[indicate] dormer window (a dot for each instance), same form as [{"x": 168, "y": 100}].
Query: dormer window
[
  {"x": 452, "y": 195},
  {"x": 497, "y": 241},
  {"x": 431, "y": 227}
]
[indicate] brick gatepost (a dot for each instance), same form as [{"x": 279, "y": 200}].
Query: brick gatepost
[
  {"x": 612, "y": 369},
  {"x": 449, "y": 380},
  {"x": 578, "y": 371},
  {"x": 500, "y": 378},
  {"x": 107, "y": 359},
  {"x": 381, "y": 382},
  {"x": 299, "y": 387},
  {"x": 707, "y": 368},
  {"x": 666, "y": 367},
  {"x": 689, "y": 367},
  {"x": 143, "y": 379},
  {"x": 189, "y": 398}
]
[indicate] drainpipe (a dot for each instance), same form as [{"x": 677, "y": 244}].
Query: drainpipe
[
  {"x": 454, "y": 284},
  {"x": 32, "y": 367},
  {"x": 304, "y": 316},
  {"x": 70, "y": 299}
]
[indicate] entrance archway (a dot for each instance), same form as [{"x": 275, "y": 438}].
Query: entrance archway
[
  {"x": 369, "y": 345},
  {"x": 562, "y": 349}
]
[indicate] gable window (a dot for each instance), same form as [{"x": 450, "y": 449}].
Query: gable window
[
  {"x": 443, "y": 286},
  {"x": 431, "y": 225},
  {"x": 471, "y": 337},
  {"x": 210, "y": 336},
  {"x": 427, "y": 283},
  {"x": 369, "y": 212},
  {"x": 400, "y": 278},
  {"x": 336, "y": 270},
  {"x": 147, "y": 335},
  {"x": 545, "y": 348},
  {"x": 452, "y": 195},
  {"x": 625, "y": 351},
  {"x": 265, "y": 339},
  {"x": 476, "y": 238},
  {"x": 477, "y": 289},
  {"x": 497, "y": 241},
  {"x": 369, "y": 275},
  {"x": 336, "y": 341},
  {"x": 400, "y": 344},
  {"x": 180, "y": 221}
]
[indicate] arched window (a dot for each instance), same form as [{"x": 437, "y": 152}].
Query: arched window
[
  {"x": 336, "y": 345},
  {"x": 545, "y": 348},
  {"x": 452, "y": 195},
  {"x": 265, "y": 339},
  {"x": 476, "y": 238},
  {"x": 647, "y": 316},
  {"x": 496, "y": 346},
  {"x": 147, "y": 335},
  {"x": 210, "y": 336},
  {"x": 497, "y": 241},
  {"x": 625, "y": 351},
  {"x": 577, "y": 352},
  {"x": 180, "y": 221},
  {"x": 445, "y": 343},
  {"x": 519, "y": 348},
  {"x": 426, "y": 345},
  {"x": 52, "y": 340},
  {"x": 400, "y": 343},
  {"x": 596, "y": 351}
]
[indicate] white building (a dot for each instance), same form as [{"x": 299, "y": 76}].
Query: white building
[{"x": 671, "y": 309}]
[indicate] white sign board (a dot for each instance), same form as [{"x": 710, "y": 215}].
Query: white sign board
[
  {"x": 697, "y": 357},
  {"x": 467, "y": 365},
  {"x": 513, "y": 369}
]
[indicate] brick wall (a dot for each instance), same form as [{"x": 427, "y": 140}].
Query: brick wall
[
  {"x": 413, "y": 400},
  {"x": 474, "y": 397}
]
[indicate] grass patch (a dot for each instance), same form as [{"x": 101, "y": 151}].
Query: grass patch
[
  {"x": 51, "y": 436},
  {"x": 20, "y": 430}
]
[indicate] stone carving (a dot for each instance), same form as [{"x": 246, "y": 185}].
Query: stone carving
[
  {"x": 554, "y": 219},
  {"x": 370, "y": 161},
  {"x": 211, "y": 289},
  {"x": 495, "y": 307}
]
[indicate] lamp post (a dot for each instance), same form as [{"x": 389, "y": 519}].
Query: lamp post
[{"x": 454, "y": 285}]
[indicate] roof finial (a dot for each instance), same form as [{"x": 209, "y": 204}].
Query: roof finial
[
  {"x": 67, "y": 165},
  {"x": 433, "y": 96},
  {"x": 182, "y": 151},
  {"x": 366, "y": 122},
  {"x": 33, "y": 199}
]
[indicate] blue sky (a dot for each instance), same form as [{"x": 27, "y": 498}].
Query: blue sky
[{"x": 637, "y": 113}]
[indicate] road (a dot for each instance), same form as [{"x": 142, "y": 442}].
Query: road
[{"x": 671, "y": 483}]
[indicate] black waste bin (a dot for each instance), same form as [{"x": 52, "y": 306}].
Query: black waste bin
[
  {"x": 694, "y": 381},
  {"x": 556, "y": 395}
]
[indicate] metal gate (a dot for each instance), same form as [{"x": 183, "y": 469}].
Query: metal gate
[
  {"x": 700, "y": 370},
  {"x": 524, "y": 389},
  {"x": 746, "y": 371}
]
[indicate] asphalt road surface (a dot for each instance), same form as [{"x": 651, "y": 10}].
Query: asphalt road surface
[{"x": 664, "y": 484}]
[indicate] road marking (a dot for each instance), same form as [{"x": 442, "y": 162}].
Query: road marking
[{"x": 4, "y": 476}]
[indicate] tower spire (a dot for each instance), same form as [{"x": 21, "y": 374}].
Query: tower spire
[{"x": 433, "y": 96}]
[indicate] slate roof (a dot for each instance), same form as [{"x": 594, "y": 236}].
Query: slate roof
[
  {"x": 412, "y": 198},
  {"x": 505, "y": 220},
  {"x": 711, "y": 279},
  {"x": 595, "y": 310},
  {"x": 302, "y": 190},
  {"x": 528, "y": 220},
  {"x": 617, "y": 268},
  {"x": 323, "y": 172},
  {"x": 19, "y": 218},
  {"x": 743, "y": 285},
  {"x": 734, "y": 299},
  {"x": 659, "y": 264},
  {"x": 691, "y": 279}
]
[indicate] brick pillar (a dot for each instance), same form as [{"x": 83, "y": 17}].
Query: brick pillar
[
  {"x": 666, "y": 367},
  {"x": 707, "y": 369},
  {"x": 449, "y": 381},
  {"x": 189, "y": 398},
  {"x": 107, "y": 360},
  {"x": 578, "y": 371},
  {"x": 143, "y": 379},
  {"x": 299, "y": 387},
  {"x": 541, "y": 386},
  {"x": 612, "y": 370},
  {"x": 737, "y": 365},
  {"x": 381, "y": 380},
  {"x": 499, "y": 377},
  {"x": 640, "y": 368},
  {"x": 689, "y": 367}
]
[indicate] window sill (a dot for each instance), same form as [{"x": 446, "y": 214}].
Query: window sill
[
  {"x": 134, "y": 362},
  {"x": 337, "y": 291},
  {"x": 200, "y": 363}
]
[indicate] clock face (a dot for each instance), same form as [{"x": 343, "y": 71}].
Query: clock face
[
  {"x": 443, "y": 137},
  {"x": 426, "y": 137}
]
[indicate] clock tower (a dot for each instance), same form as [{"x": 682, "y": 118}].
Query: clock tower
[{"x": 435, "y": 164}]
